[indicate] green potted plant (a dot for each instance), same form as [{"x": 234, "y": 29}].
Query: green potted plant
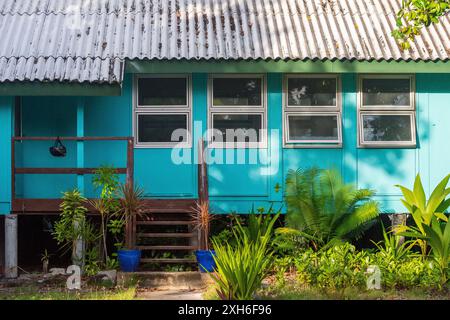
[
  {"x": 202, "y": 220},
  {"x": 130, "y": 207}
]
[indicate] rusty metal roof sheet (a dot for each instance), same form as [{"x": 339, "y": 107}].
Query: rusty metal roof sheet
[{"x": 88, "y": 40}]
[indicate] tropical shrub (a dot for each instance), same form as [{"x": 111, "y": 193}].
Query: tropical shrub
[
  {"x": 410, "y": 272},
  {"x": 241, "y": 267},
  {"x": 438, "y": 237},
  {"x": 107, "y": 181},
  {"x": 322, "y": 208},
  {"x": 342, "y": 266},
  {"x": 130, "y": 206},
  {"x": 281, "y": 266},
  {"x": 72, "y": 226},
  {"x": 423, "y": 210},
  {"x": 337, "y": 267},
  {"x": 392, "y": 249},
  {"x": 288, "y": 243},
  {"x": 257, "y": 225}
]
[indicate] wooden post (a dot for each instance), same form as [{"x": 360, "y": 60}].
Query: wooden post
[
  {"x": 398, "y": 219},
  {"x": 202, "y": 173},
  {"x": 79, "y": 248},
  {"x": 130, "y": 227},
  {"x": 11, "y": 270},
  {"x": 203, "y": 195},
  {"x": 80, "y": 143},
  {"x": 13, "y": 170}
]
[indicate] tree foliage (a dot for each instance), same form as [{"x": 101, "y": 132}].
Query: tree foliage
[{"x": 416, "y": 14}]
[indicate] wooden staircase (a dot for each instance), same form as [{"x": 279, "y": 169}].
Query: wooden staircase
[{"x": 166, "y": 233}]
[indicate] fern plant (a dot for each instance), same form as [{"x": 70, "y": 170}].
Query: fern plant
[{"x": 322, "y": 208}]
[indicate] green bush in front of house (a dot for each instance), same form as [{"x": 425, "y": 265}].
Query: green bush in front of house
[
  {"x": 242, "y": 264},
  {"x": 323, "y": 209},
  {"x": 318, "y": 254}
]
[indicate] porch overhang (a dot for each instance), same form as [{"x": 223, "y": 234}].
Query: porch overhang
[
  {"x": 18, "y": 88},
  {"x": 285, "y": 66}
]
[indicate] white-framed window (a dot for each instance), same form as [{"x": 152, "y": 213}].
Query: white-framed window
[
  {"x": 312, "y": 111},
  {"x": 237, "y": 111},
  {"x": 162, "y": 111},
  {"x": 386, "y": 111}
]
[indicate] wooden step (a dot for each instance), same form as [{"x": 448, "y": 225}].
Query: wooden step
[
  {"x": 174, "y": 260},
  {"x": 169, "y": 205},
  {"x": 168, "y": 210},
  {"x": 164, "y": 223},
  {"x": 166, "y": 235},
  {"x": 167, "y": 248}
]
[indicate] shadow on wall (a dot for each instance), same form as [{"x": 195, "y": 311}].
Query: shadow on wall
[{"x": 379, "y": 169}]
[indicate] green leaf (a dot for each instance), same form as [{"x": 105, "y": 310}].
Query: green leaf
[
  {"x": 419, "y": 193},
  {"x": 408, "y": 194}
]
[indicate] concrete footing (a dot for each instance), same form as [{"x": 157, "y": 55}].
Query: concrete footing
[
  {"x": 11, "y": 270},
  {"x": 2, "y": 245},
  {"x": 165, "y": 280}
]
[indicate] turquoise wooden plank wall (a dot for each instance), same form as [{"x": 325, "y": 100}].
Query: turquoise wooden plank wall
[
  {"x": 6, "y": 120},
  {"x": 232, "y": 187}
]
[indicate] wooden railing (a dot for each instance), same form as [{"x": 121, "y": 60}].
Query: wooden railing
[{"x": 30, "y": 206}]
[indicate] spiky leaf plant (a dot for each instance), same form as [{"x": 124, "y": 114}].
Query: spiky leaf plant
[
  {"x": 202, "y": 219},
  {"x": 324, "y": 209}
]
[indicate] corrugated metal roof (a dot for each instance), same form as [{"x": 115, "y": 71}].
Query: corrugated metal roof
[
  {"x": 94, "y": 70},
  {"x": 88, "y": 40}
]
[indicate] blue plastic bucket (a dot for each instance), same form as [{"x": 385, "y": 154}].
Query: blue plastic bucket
[
  {"x": 205, "y": 260},
  {"x": 129, "y": 260}
]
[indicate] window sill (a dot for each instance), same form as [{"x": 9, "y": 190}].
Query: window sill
[
  {"x": 387, "y": 146},
  {"x": 312, "y": 146}
]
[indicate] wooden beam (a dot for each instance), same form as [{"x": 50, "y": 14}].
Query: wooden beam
[
  {"x": 80, "y": 143},
  {"x": 72, "y": 138},
  {"x": 79, "y": 171},
  {"x": 39, "y": 206}
]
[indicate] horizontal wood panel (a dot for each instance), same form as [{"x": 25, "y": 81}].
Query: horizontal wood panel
[
  {"x": 63, "y": 170},
  {"x": 72, "y": 138}
]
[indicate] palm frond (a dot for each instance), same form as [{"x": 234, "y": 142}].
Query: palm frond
[
  {"x": 320, "y": 203},
  {"x": 354, "y": 222}
]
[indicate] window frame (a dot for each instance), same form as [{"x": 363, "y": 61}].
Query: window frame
[
  {"x": 383, "y": 144},
  {"x": 238, "y": 110},
  {"x": 314, "y": 114},
  {"x": 387, "y": 110},
  {"x": 312, "y": 111},
  {"x": 412, "y": 91},
  {"x": 312, "y": 76},
  {"x": 162, "y": 110}
]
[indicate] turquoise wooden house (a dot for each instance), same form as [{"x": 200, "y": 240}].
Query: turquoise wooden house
[{"x": 263, "y": 86}]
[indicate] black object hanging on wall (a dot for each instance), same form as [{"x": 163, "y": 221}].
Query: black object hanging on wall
[{"x": 58, "y": 149}]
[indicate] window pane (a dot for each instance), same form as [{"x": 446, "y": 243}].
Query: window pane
[
  {"x": 159, "y": 128},
  {"x": 311, "y": 92},
  {"x": 313, "y": 128},
  {"x": 237, "y": 92},
  {"x": 386, "y": 92},
  {"x": 387, "y": 128},
  {"x": 162, "y": 91},
  {"x": 237, "y": 127}
]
